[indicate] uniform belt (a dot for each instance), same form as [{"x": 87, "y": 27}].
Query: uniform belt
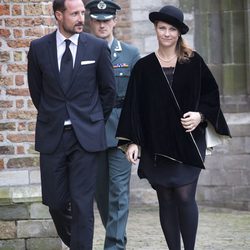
[
  {"x": 68, "y": 127},
  {"x": 119, "y": 102}
]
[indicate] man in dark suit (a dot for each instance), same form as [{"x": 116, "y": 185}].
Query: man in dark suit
[
  {"x": 72, "y": 86},
  {"x": 113, "y": 178}
]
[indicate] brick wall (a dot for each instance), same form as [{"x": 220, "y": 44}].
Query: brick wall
[
  {"x": 21, "y": 211},
  {"x": 20, "y": 22}
]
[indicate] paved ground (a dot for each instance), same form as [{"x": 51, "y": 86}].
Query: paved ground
[{"x": 218, "y": 230}]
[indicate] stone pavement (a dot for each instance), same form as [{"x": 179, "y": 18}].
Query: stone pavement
[{"x": 219, "y": 229}]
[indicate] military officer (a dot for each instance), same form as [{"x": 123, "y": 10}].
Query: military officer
[{"x": 112, "y": 194}]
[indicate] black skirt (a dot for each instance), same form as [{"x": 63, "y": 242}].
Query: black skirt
[{"x": 161, "y": 171}]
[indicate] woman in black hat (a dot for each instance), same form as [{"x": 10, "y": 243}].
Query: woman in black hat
[{"x": 171, "y": 99}]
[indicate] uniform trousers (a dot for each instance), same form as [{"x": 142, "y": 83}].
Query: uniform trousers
[
  {"x": 112, "y": 197},
  {"x": 68, "y": 178}
]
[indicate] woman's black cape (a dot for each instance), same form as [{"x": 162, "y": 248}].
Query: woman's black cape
[{"x": 152, "y": 109}]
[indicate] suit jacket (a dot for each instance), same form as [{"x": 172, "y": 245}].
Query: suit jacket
[
  {"x": 152, "y": 109},
  {"x": 88, "y": 102},
  {"x": 123, "y": 58}
]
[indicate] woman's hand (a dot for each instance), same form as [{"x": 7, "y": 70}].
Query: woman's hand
[
  {"x": 190, "y": 121},
  {"x": 132, "y": 153}
]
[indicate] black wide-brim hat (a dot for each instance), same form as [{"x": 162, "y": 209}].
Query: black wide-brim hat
[{"x": 172, "y": 15}]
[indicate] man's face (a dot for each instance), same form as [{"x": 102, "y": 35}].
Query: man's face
[
  {"x": 71, "y": 20},
  {"x": 103, "y": 29}
]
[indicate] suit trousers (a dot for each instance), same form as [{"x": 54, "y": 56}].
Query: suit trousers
[
  {"x": 68, "y": 185},
  {"x": 112, "y": 197}
]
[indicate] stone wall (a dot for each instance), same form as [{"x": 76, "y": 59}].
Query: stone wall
[
  {"x": 223, "y": 27},
  {"x": 27, "y": 226},
  {"x": 226, "y": 180},
  {"x": 143, "y": 30}
]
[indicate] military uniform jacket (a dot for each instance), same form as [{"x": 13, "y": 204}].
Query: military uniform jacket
[{"x": 123, "y": 58}]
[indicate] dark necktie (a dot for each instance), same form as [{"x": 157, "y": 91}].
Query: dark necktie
[{"x": 66, "y": 68}]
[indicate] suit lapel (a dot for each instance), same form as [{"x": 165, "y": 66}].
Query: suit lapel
[
  {"x": 81, "y": 51},
  {"x": 53, "y": 56},
  {"x": 80, "y": 55}
]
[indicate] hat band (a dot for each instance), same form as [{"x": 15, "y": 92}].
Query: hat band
[{"x": 104, "y": 16}]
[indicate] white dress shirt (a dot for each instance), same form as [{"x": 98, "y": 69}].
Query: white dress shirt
[{"x": 61, "y": 46}]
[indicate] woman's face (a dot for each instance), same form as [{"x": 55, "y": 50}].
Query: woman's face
[{"x": 167, "y": 34}]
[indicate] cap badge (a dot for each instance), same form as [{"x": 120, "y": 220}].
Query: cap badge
[{"x": 101, "y": 5}]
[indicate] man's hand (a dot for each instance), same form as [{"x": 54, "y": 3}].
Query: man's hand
[{"x": 132, "y": 153}]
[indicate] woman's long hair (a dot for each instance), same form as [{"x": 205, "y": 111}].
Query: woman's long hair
[{"x": 183, "y": 51}]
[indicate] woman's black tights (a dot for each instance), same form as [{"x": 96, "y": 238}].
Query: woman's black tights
[{"x": 178, "y": 215}]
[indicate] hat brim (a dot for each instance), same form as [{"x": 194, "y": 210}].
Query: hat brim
[
  {"x": 157, "y": 16},
  {"x": 102, "y": 17}
]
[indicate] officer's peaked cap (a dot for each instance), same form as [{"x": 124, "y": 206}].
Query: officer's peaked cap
[{"x": 102, "y": 10}]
